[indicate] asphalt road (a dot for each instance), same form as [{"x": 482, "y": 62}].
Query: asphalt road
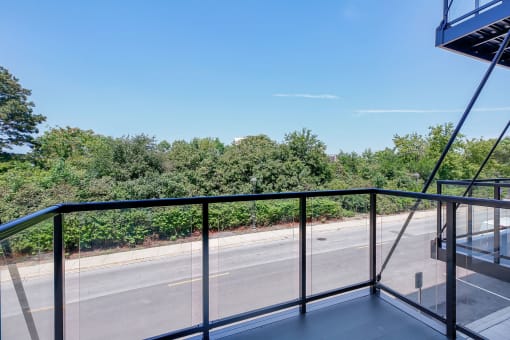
[{"x": 143, "y": 299}]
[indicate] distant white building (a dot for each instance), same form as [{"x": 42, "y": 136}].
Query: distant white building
[{"x": 238, "y": 140}]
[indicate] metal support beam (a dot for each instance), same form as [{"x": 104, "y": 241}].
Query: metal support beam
[
  {"x": 302, "y": 254},
  {"x": 495, "y": 61},
  {"x": 205, "y": 270},
  {"x": 372, "y": 242},
  {"x": 446, "y": 9},
  {"x": 448, "y": 146},
  {"x": 439, "y": 235},
  {"x": 451, "y": 263},
  {"x": 59, "y": 277}
]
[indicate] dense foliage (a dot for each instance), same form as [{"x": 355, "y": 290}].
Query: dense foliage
[
  {"x": 70, "y": 164},
  {"x": 75, "y": 165}
]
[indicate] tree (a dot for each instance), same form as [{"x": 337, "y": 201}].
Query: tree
[
  {"x": 437, "y": 140},
  {"x": 305, "y": 147},
  {"x": 197, "y": 162},
  {"x": 17, "y": 121},
  {"x": 135, "y": 157},
  {"x": 253, "y": 157}
]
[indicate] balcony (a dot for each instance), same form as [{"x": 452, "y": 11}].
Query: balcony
[
  {"x": 310, "y": 272},
  {"x": 475, "y": 28}
]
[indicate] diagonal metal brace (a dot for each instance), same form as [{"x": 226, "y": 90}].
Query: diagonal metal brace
[{"x": 495, "y": 61}]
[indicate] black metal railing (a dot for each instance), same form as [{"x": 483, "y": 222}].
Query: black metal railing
[
  {"x": 57, "y": 212},
  {"x": 477, "y": 7},
  {"x": 493, "y": 189}
]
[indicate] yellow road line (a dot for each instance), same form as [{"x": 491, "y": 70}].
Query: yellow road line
[
  {"x": 195, "y": 279},
  {"x": 42, "y": 309}
]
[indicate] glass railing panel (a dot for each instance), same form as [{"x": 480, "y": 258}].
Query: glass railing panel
[
  {"x": 479, "y": 226},
  {"x": 254, "y": 255},
  {"x": 133, "y": 273},
  {"x": 504, "y": 230},
  {"x": 460, "y": 7},
  {"x": 453, "y": 189},
  {"x": 26, "y": 283},
  {"x": 474, "y": 223},
  {"x": 483, "y": 298},
  {"x": 338, "y": 232},
  {"x": 413, "y": 269}
]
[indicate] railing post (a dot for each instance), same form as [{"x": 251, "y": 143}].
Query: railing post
[
  {"x": 205, "y": 270},
  {"x": 59, "y": 277},
  {"x": 497, "y": 243},
  {"x": 439, "y": 215},
  {"x": 373, "y": 228},
  {"x": 470, "y": 220},
  {"x": 302, "y": 254},
  {"x": 451, "y": 264},
  {"x": 445, "y": 12}
]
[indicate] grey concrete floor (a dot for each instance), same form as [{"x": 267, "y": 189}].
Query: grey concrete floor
[{"x": 368, "y": 317}]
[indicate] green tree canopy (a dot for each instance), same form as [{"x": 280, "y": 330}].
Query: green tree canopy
[{"x": 17, "y": 121}]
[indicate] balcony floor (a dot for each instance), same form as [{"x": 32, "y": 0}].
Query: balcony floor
[{"x": 368, "y": 317}]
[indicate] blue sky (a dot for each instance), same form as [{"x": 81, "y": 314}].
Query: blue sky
[{"x": 354, "y": 72}]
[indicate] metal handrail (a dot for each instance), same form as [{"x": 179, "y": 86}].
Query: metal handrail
[
  {"x": 476, "y": 11},
  {"x": 15, "y": 226},
  {"x": 480, "y": 183}
]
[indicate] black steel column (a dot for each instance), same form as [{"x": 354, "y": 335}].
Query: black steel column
[
  {"x": 59, "y": 277},
  {"x": 497, "y": 243},
  {"x": 451, "y": 259},
  {"x": 372, "y": 242},
  {"x": 205, "y": 269},
  {"x": 302, "y": 254},
  {"x": 439, "y": 215}
]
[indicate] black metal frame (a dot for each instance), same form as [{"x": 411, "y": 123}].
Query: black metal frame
[
  {"x": 468, "y": 258},
  {"x": 447, "y": 4},
  {"x": 57, "y": 212}
]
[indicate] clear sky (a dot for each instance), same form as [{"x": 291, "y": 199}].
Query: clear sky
[{"x": 354, "y": 72}]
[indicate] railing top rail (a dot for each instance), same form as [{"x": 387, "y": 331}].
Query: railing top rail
[
  {"x": 15, "y": 226},
  {"x": 475, "y": 11},
  {"x": 166, "y": 202},
  {"x": 505, "y": 182},
  {"x": 495, "y": 179},
  {"x": 483, "y": 202}
]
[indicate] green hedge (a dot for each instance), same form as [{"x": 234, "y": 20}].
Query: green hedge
[{"x": 132, "y": 227}]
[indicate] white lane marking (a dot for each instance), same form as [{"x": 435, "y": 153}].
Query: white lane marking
[{"x": 485, "y": 290}]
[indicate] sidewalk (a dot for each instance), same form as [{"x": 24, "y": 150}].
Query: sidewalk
[{"x": 495, "y": 326}]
